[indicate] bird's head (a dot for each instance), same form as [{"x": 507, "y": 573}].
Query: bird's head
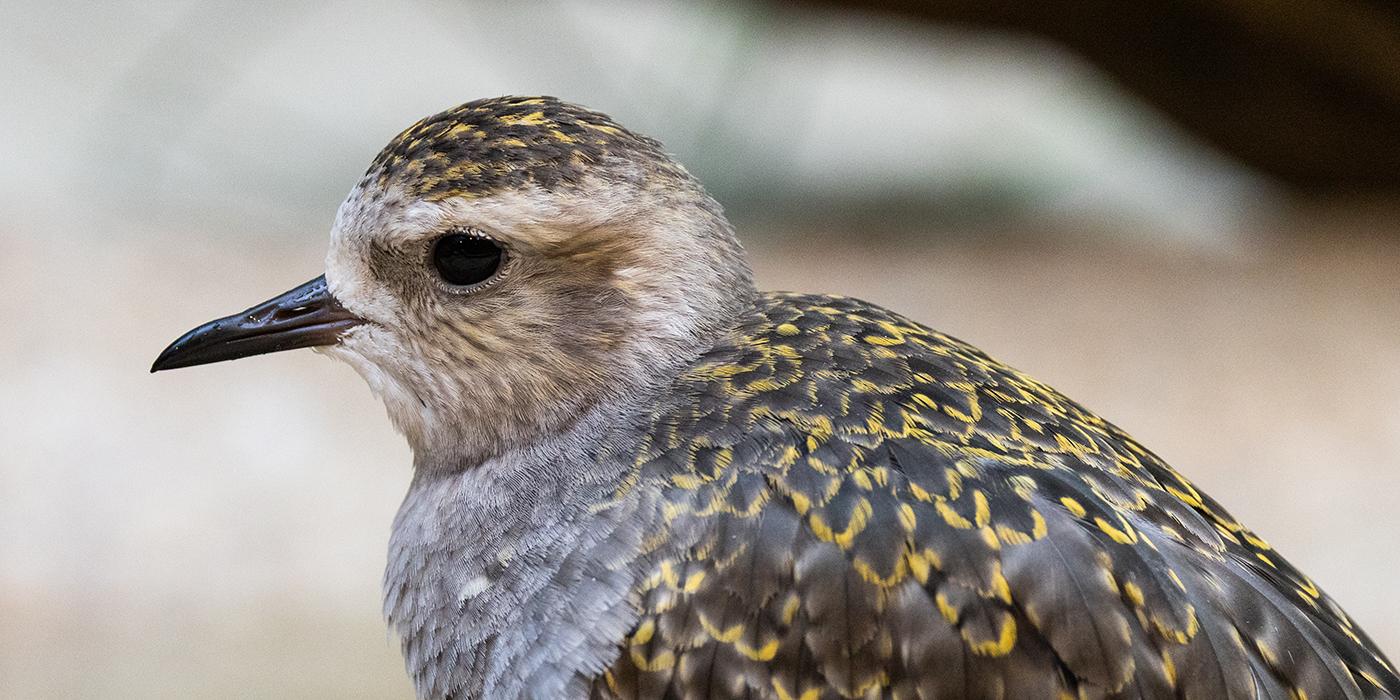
[{"x": 502, "y": 268}]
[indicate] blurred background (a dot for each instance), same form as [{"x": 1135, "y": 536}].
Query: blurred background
[{"x": 1182, "y": 214}]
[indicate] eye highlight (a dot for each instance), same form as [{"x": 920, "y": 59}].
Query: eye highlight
[{"x": 465, "y": 259}]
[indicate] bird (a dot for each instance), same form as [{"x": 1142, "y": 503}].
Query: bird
[{"x": 637, "y": 476}]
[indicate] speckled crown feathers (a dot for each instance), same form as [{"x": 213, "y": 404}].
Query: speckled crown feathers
[{"x": 486, "y": 146}]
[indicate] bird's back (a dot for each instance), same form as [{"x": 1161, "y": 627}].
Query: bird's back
[{"x": 853, "y": 505}]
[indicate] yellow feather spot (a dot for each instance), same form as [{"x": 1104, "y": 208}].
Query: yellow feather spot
[
  {"x": 531, "y": 119},
  {"x": 602, "y": 127},
  {"x": 1255, "y": 541},
  {"x": 706, "y": 549},
  {"x": 644, "y": 632},
  {"x": 1148, "y": 541},
  {"x": 1266, "y": 652},
  {"x": 724, "y": 457},
  {"x": 1169, "y": 669},
  {"x": 816, "y": 462},
  {"x": 949, "y": 612},
  {"x": 790, "y": 608},
  {"x": 1125, "y": 536},
  {"x": 982, "y": 512},
  {"x": 1171, "y": 574},
  {"x": 1001, "y": 589},
  {"x": 1192, "y": 499},
  {"x": 925, "y": 401},
  {"x": 860, "y": 516},
  {"x": 1068, "y": 445},
  {"x": 693, "y": 581},
  {"x": 881, "y": 475},
  {"x": 919, "y": 566},
  {"x": 763, "y": 653},
  {"x": 801, "y": 502},
  {"x": 1134, "y": 593},
  {"x": 873, "y": 577},
  {"x": 1265, "y": 558},
  {"x": 663, "y": 661},
  {"x": 654, "y": 541},
  {"x": 1005, "y": 641},
  {"x": 1012, "y": 536},
  {"x": 990, "y": 537},
  {"x": 668, "y": 574},
  {"x": 728, "y": 370},
  {"x": 862, "y": 479},
  {"x": 513, "y": 143},
  {"x": 689, "y": 482},
  {"x": 1038, "y": 527},
  {"x": 865, "y": 386},
  {"x": 1370, "y": 678},
  {"x": 1310, "y": 588},
  {"x": 820, "y": 528},
  {"x": 787, "y": 351},
  {"x": 1024, "y": 486},
  {"x": 955, "y": 484},
  {"x": 1106, "y": 571},
  {"x": 950, "y": 516},
  {"x": 764, "y": 384},
  {"x": 974, "y": 405},
  {"x": 883, "y": 340},
  {"x": 920, "y": 493},
  {"x": 933, "y": 558},
  {"x": 728, "y": 635},
  {"x": 907, "y": 519},
  {"x": 787, "y": 329},
  {"x": 789, "y": 457},
  {"x": 652, "y": 581}
]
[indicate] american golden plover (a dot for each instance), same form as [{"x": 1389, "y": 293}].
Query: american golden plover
[{"x": 637, "y": 476}]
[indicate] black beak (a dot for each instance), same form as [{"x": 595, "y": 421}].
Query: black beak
[{"x": 301, "y": 318}]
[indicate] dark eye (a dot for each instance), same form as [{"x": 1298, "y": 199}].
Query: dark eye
[{"x": 465, "y": 260}]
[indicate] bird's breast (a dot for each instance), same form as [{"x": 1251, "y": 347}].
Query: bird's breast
[{"x": 497, "y": 585}]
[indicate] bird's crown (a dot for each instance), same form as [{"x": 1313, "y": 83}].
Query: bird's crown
[{"x": 486, "y": 146}]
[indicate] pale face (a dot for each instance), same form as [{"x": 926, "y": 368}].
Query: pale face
[
  {"x": 487, "y": 322},
  {"x": 503, "y": 268}
]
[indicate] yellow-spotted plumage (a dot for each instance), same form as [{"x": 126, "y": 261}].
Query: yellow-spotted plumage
[
  {"x": 638, "y": 477},
  {"x": 858, "y": 506}
]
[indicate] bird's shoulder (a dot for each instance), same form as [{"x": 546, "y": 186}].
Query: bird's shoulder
[{"x": 854, "y": 503}]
